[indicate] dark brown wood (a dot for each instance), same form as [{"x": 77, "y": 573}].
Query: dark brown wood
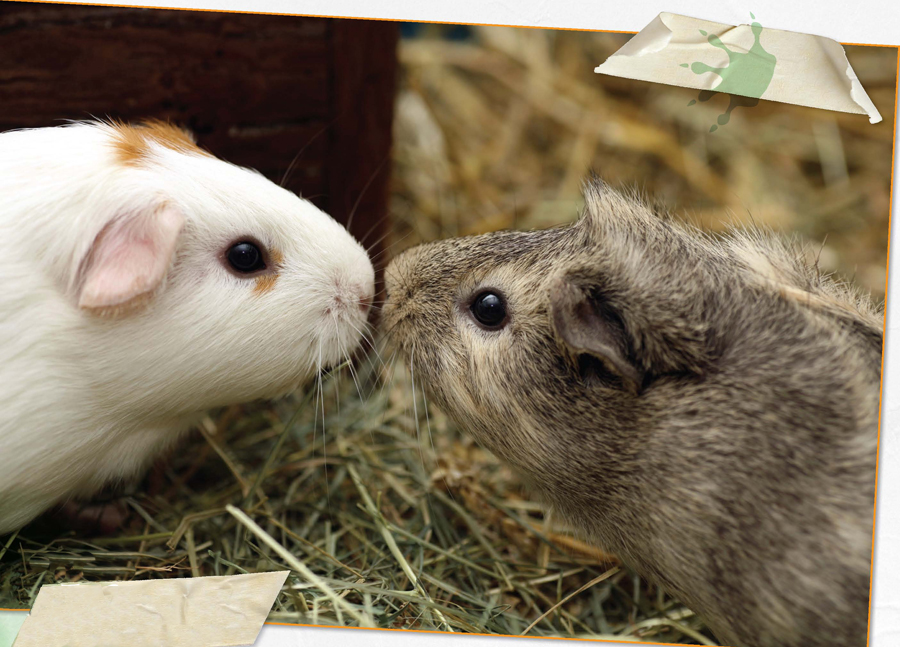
[
  {"x": 364, "y": 54},
  {"x": 268, "y": 92}
]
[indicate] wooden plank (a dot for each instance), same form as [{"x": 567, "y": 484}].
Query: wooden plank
[
  {"x": 291, "y": 155},
  {"x": 364, "y": 78},
  {"x": 255, "y": 90},
  {"x": 199, "y": 68}
]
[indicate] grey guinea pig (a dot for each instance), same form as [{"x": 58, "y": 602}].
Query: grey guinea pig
[{"x": 706, "y": 408}]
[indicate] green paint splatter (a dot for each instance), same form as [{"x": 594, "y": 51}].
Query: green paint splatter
[{"x": 745, "y": 77}]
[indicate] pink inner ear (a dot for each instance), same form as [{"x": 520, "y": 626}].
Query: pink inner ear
[{"x": 130, "y": 258}]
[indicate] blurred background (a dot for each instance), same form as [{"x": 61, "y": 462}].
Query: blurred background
[{"x": 426, "y": 131}]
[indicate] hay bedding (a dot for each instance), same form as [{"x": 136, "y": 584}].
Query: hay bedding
[{"x": 402, "y": 521}]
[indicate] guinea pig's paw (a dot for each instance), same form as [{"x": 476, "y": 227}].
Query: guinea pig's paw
[
  {"x": 128, "y": 261},
  {"x": 89, "y": 518}
]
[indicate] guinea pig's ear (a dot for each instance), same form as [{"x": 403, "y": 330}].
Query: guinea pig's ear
[
  {"x": 587, "y": 326},
  {"x": 128, "y": 261}
]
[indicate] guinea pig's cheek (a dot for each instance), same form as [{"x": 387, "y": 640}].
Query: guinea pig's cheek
[
  {"x": 486, "y": 374},
  {"x": 459, "y": 403},
  {"x": 441, "y": 370}
]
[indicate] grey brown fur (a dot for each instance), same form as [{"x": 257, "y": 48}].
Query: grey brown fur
[{"x": 705, "y": 408}]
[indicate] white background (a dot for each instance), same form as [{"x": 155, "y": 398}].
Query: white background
[{"x": 859, "y": 21}]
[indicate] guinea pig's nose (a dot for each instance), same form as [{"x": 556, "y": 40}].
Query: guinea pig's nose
[{"x": 349, "y": 295}]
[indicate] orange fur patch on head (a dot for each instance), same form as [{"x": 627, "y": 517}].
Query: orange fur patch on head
[
  {"x": 265, "y": 283},
  {"x": 133, "y": 142}
]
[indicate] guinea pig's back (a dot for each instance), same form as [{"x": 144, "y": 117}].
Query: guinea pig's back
[
  {"x": 45, "y": 184},
  {"x": 776, "y": 454}
]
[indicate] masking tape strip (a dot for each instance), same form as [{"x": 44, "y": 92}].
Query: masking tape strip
[
  {"x": 746, "y": 60},
  {"x": 226, "y": 611}
]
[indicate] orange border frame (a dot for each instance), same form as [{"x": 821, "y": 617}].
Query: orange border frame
[{"x": 603, "y": 31}]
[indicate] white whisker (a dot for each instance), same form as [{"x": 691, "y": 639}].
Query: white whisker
[
  {"x": 431, "y": 438},
  {"x": 412, "y": 376},
  {"x": 387, "y": 379}
]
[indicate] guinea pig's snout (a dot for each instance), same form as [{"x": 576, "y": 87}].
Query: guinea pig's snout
[
  {"x": 350, "y": 296},
  {"x": 394, "y": 274},
  {"x": 399, "y": 293}
]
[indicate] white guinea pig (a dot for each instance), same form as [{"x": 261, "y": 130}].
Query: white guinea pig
[{"x": 143, "y": 281}]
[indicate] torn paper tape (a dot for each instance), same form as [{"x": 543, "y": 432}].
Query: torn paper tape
[
  {"x": 10, "y": 623},
  {"x": 225, "y": 611},
  {"x": 747, "y": 61}
]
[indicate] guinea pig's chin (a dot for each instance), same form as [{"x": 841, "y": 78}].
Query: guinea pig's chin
[{"x": 338, "y": 345}]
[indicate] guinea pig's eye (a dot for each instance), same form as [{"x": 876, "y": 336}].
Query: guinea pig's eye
[
  {"x": 245, "y": 257},
  {"x": 489, "y": 309}
]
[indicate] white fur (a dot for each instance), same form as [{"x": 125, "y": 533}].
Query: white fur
[{"x": 86, "y": 399}]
